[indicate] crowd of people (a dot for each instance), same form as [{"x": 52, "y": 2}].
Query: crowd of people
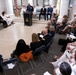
[
  {"x": 43, "y": 11},
  {"x": 64, "y": 64},
  {"x": 25, "y": 52}
]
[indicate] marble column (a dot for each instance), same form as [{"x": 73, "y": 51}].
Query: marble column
[
  {"x": 52, "y": 2},
  {"x": 9, "y": 6},
  {"x": 31, "y": 2},
  {"x": 73, "y": 9},
  {"x": 40, "y": 2},
  {"x": 63, "y": 9},
  {"x": 34, "y": 2},
  {"x": 58, "y": 6}
]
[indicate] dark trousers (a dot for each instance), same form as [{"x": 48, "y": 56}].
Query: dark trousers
[
  {"x": 43, "y": 15},
  {"x": 50, "y": 15},
  {"x": 4, "y": 23},
  {"x": 64, "y": 43}
]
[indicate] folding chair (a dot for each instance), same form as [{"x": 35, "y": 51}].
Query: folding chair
[
  {"x": 46, "y": 55},
  {"x": 38, "y": 60}
]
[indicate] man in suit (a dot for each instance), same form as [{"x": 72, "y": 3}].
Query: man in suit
[
  {"x": 49, "y": 12},
  {"x": 46, "y": 37},
  {"x": 43, "y": 12},
  {"x": 30, "y": 8}
]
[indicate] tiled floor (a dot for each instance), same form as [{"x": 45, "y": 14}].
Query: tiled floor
[{"x": 10, "y": 35}]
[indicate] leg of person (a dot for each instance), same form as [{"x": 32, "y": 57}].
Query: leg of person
[
  {"x": 39, "y": 16},
  {"x": 50, "y": 16},
  {"x": 5, "y": 24},
  {"x": 47, "y": 16}
]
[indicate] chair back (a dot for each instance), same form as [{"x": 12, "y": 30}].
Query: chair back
[
  {"x": 48, "y": 45},
  {"x": 39, "y": 50},
  {"x": 4, "y": 63}
]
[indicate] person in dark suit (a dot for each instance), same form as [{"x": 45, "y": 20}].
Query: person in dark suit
[
  {"x": 43, "y": 12},
  {"x": 49, "y": 12},
  {"x": 30, "y": 8},
  {"x": 46, "y": 38},
  {"x": 35, "y": 43}
]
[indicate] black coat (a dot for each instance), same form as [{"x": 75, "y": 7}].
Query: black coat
[
  {"x": 35, "y": 45},
  {"x": 47, "y": 39},
  {"x": 43, "y": 11}
]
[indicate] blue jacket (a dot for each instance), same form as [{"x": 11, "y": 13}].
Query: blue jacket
[
  {"x": 30, "y": 9},
  {"x": 50, "y": 9}
]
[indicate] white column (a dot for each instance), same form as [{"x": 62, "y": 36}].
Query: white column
[
  {"x": 40, "y": 2},
  {"x": 63, "y": 9},
  {"x": 9, "y": 6},
  {"x": 73, "y": 9},
  {"x": 58, "y": 6},
  {"x": 52, "y": 2},
  {"x": 31, "y": 2},
  {"x": 34, "y": 3}
]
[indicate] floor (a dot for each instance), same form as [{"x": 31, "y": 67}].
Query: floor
[{"x": 10, "y": 35}]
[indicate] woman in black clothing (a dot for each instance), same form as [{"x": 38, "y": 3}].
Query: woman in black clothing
[
  {"x": 35, "y": 42},
  {"x": 21, "y": 47}
]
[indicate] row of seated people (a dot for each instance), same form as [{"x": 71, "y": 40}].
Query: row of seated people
[
  {"x": 66, "y": 26},
  {"x": 6, "y": 19},
  {"x": 25, "y": 52},
  {"x": 70, "y": 30},
  {"x": 66, "y": 63},
  {"x": 45, "y": 12},
  {"x": 42, "y": 11}
]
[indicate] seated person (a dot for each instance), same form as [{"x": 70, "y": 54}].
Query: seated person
[
  {"x": 23, "y": 9},
  {"x": 60, "y": 26},
  {"x": 69, "y": 39},
  {"x": 53, "y": 21},
  {"x": 35, "y": 42},
  {"x": 68, "y": 56},
  {"x": 49, "y": 12},
  {"x": 22, "y": 51},
  {"x": 4, "y": 22},
  {"x": 7, "y": 18},
  {"x": 48, "y": 24},
  {"x": 43, "y": 12},
  {"x": 64, "y": 69},
  {"x": 46, "y": 39},
  {"x": 71, "y": 24},
  {"x": 51, "y": 29}
]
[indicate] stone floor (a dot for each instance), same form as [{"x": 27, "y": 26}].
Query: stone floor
[{"x": 10, "y": 35}]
